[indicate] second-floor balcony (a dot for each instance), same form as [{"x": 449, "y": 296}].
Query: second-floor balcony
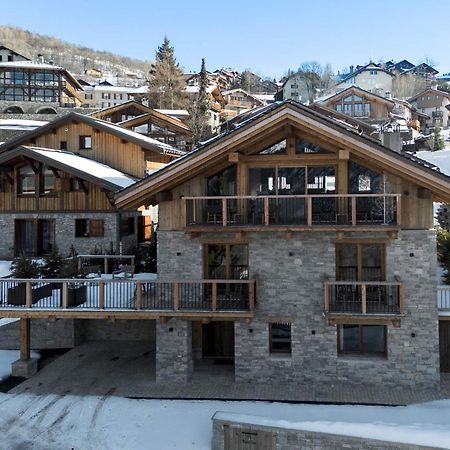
[
  {"x": 367, "y": 298},
  {"x": 293, "y": 211}
]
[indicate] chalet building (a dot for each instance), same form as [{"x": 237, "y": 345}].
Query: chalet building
[
  {"x": 361, "y": 104},
  {"x": 297, "y": 249},
  {"x": 371, "y": 77},
  {"x": 149, "y": 122},
  {"x": 239, "y": 101},
  {"x": 105, "y": 94},
  {"x": 35, "y": 87},
  {"x": 58, "y": 182},
  {"x": 433, "y": 103}
]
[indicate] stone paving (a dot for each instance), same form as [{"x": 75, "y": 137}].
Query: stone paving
[{"x": 127, "y": 369}]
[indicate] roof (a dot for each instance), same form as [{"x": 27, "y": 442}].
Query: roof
[
  {"x": 77, "y": 165},
  {"x": 357, "y": 89},
  {"x": 162, "y": 120},
  {"x": 105, "y": 112},
  {"x": 13, "y": 51},
  {"x": 433, "y": 91},
  {"x": 41, "y": 66},
  {"x": 370, "y": 66},
  {"x": 139, "y": 139},
  {"x": 21, "y": 124},
  {"x": 414, "y": 167},
  {"x": 233, "y": 91},
  {"x": 440, "y": 158}
]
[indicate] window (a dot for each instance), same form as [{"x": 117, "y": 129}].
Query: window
[
  {"x": 63, "y": 145},
  {"x": 278, "y": 148},
  {"x": 226, "y": 262},
  {"x": 223, "y": 183},
  {"x": 85, "y": 142},
  {"x": 373, "y": 72},
  {"x": 127, "y": 226},
  {"x": 75, "y": 185},
  {"x": 360, "y": 262},
  {"x": 89, "y": 228},
  {"x": 280, "y": 339},
  {"x": 26, "y": 182},
  {"x": 362, "y": 339},
  {"x": 47, "y": 181}
]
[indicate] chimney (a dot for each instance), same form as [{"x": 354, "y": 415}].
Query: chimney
[
  {"x": 40, "y": 58},
  {"x": 351, "y": 69},
  {"x": 390, "y": 137}
]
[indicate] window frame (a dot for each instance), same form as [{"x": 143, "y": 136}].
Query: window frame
[
  {"x": 279, "y": 352},
  {"x": 82, "y": 142},
  {"x": 362, "y": 351}
]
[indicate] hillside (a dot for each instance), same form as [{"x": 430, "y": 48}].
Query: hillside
[{"x": 73, "y": 57}]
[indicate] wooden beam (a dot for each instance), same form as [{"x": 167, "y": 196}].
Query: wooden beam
[
  {"x": 25, "y": 339},
  {"x": 234, "y": 157}
]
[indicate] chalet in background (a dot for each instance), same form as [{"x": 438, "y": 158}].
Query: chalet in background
[
  {"x": 57, "y": 185},
  {"x": 434, "y": 104}
]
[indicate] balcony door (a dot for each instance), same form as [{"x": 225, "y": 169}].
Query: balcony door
[
  {"x": 226, "y": 261},
  {"x": 360, "y": 262}
]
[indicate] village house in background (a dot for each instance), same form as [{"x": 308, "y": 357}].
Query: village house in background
[
  {"x": 58, "y": 183},
  {"x": 435, "y": 104}
]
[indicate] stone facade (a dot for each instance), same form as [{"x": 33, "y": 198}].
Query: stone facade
[
  {"x": 291, "y": 275},
  {"x": 174, "y": 362},
  {"x": 65, "y": 232},
  {"x": 285, "y": 438}
]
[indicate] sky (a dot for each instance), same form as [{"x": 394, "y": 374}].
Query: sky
[{"x": 268, "y": 37}]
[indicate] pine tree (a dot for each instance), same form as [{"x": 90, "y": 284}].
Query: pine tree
[
  {"x": 53, "y": 264},
  {"x": 199, "y": 109},
  {"x": 166, "y": 84},
  {"x": 438, "y": 142},
  {"x": 443, "y": 252},
  {"x": 25, "y": 267}
]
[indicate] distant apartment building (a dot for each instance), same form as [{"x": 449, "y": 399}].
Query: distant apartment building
[{"x": 433, "y": 103}]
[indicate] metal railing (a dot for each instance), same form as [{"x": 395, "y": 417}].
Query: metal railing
[
  {"x": 365, "y": 297},
  {"x": 293, "y": 210},
  {"x": 128, "y": 294},
  {"x": 443, "y": 298}
]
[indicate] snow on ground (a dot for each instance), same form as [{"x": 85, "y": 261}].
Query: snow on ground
[
  {"x": 5, "y": 268},
  {"x": 440, "y": 158},
  {"x": 6, "y": 358},
  {"x": 55, "y": 422}
]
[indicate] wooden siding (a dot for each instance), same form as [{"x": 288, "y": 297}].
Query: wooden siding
[{"x": 106, "y": 148}]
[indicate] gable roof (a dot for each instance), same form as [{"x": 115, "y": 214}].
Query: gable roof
[
  {"x": 116, "y": 130},
  {"x": 370, "y": 66},
  {"x": 160, "y": 119},
  {"x": 79, "y": 166},
  {"x": 205, "y": 155},
  {"x": 355, "y": 89},
  {"x": 432, "y": 91},
  {"x": 233, "y": 91},
  {"x": 2, "y": 47},
  {"x": 105, "y": 112}
]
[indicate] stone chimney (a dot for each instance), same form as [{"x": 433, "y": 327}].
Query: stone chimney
[
  {"x": 40, "y": 58},
  {"x": 390, "y": 137}
]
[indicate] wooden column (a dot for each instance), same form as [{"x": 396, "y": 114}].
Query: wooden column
[
  {"x": 342, "y": 185},
  {"x": 24, "y": 339}
]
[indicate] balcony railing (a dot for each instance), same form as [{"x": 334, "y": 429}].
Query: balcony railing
[
  {"x": 443, "y": 298},
  {"x": 90, "y": 295},
  {"x": 293, "y": 210},
  {"x": 366, "y": 297}
]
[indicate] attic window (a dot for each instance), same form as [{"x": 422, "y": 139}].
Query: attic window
[
  {"x": 276, "y": 149},
  {"x": 304, "y": 146},
  {"x": 85, "y": 142}
]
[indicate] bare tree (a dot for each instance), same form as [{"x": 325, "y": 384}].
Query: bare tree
[{"x": 405, "y": 86}]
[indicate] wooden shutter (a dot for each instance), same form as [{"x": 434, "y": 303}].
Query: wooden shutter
[{"x": 96, "y": 228}]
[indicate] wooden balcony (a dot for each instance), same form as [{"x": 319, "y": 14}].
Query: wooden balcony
[
  {"x": 363, "y": 299},
  {"x": 293, "y": 212},
  {"x": 127, "y": 298}
]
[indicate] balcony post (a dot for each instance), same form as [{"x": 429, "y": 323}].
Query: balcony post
[
  {"x": 326, "y": 295},
  {"x": 266, "y": 211},
  {"x": 184, "y": 211},
  {"x": 176, "y": 296},
  {"x": 214, "y": 297},
  {"x": 28, "y": 294},
  {"x": 399, "y": 210},
  {"x": 224, "y": 212},
  {"x": 309, "y": 210},
  {"x": 363, "y": 299},
  {"x": 138, "y": 295},
  {"x": 353, "y": 210},
  {"x": 101, "y": 295},
  {"x": 400, "y": 298},
  {"x": 24, "y": 339},
  {"x": 251, "y": 296},
  {"x": 65, "y": 295}
]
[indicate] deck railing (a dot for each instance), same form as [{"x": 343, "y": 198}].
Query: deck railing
[
  {"x": 443, "y": 298},
  {"x": 294, "y": 210},
  {"x": 365, "y": 297},
  {"x": 129, "y": 294}
]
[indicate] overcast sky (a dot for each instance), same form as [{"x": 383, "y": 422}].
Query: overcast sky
[{"x": 267, "y": 36}]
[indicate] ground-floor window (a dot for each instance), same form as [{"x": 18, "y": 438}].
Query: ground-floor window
[
  {"x": 89, "y": 228},
  {"x": 280, "y": 338},
  {"x": 34, "y": 237},
  {"x": 362, "y": 339}
]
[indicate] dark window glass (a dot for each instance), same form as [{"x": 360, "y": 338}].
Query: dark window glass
[
  {"x": 81, "y": 228},
  {"x": 262, "y": 181},
  {"x": 321, "y": 180},
  {"x": 304, "y": 146},
  {"x": 48, "y": 181},
  {"x": 275, "y": 149},
  {"x": 363, "y": 180},
  {"x": 26, "y": 181},
  {"x": 291, "y": 180},
  {"x": 85, "y": 142},
  {"x": 280, "y": 338},
  {"x": 63, "y": 145},
  {"x": 224, "y": 183},
  {"x": 362, "y": 339}
]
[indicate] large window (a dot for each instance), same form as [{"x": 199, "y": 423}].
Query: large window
[
  {"x": 280, "y": 338},
  {"x": 226, "y": 261},
  {"x": 362, "y": 339},
  {"x": 47, "y": 183},
  {"x": 363, "y": 180},
  {"x": 360, "y": 262},
  {"x": 223, "y": 183},
  {"x": 26, "y": 183}
]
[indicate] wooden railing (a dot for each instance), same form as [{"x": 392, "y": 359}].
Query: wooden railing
[
  {"x": 225, "y": 296},
  {"x": 443, "y": 298},
  {"x": 293, "y": 210},
  {"x": 365, "y": 297}
]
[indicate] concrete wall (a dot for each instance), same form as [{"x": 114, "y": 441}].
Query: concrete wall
[
  {"x": 284, "y": 438},
  {"x": 65, "y": 232},
  {"x": 120, "y": 330}
]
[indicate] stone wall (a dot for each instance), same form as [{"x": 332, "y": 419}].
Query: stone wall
[
  {"x": 174, "y": 362},
  {"x": 65, "y": 232},
  {"x": 45, "y": 334},
  {"x": 285, "y": 438}
]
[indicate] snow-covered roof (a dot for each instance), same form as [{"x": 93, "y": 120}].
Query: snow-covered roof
[
  {"x": 30, "y": 65},
  {"x": 127, "y": 89},
  {"x": 20, "y": 124},
  {"x": 173, "y": 112},
  {"x": 84, "y": 167},
  {"x": 440, "y": 158}
]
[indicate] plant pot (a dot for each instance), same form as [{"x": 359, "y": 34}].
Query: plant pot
[
  {"x": 17, "y": 294},
  {"x": 76, "y": 296}
]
